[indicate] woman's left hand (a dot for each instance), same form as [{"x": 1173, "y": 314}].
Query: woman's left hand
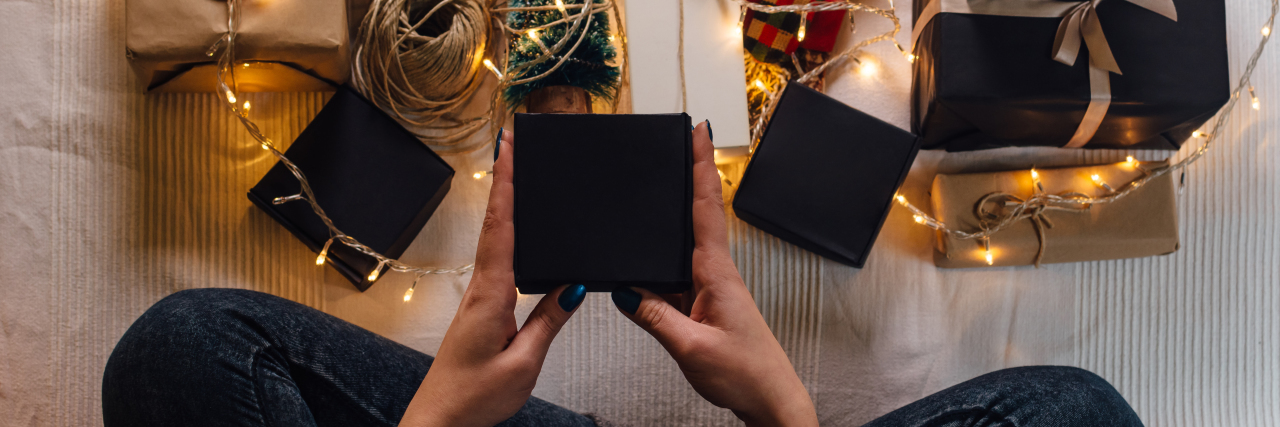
[{"x": 486, "y": 368}]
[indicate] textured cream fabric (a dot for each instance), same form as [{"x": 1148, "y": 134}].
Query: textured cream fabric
[{"x": 110, "y": 200}]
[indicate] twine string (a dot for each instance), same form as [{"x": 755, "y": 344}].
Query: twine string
[
  {"x": 1032, "y": 209},
  {"x": 423, "y": 80}
]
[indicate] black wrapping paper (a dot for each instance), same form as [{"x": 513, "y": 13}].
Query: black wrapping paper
[
  {"x": 603, "y": 200},
  {"x": 373, "y": 178},
  {"x": 984, "y": 81},
  {"x": 824, "y": 175}
]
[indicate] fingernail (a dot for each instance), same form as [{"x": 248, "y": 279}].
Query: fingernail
[
  {"x": 710, "y": 135},
  {"x": 572, "y": 297},
  {"x": 498, "y": 144},
  {"x": 626, "y": 299}
]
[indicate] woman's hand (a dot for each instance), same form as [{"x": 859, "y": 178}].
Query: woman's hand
[
  {"x": 486, "y": 368},
  {"x": 721, "y": 342}
]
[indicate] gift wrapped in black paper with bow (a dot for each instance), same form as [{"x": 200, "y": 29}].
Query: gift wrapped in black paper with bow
[{"x": 1133, "y": 74}]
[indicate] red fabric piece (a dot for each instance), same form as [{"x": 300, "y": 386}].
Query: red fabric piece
[{"x": 820, "y": 34}]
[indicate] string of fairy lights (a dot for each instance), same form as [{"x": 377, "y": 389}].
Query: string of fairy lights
[
  {"x": 1015, "y": 211},
  {"x": 1111, "y": 193},
  {"x": 560, "y": 51},
  {"x": 226, "y": 84},
  {"x": 581, "y": 17}
]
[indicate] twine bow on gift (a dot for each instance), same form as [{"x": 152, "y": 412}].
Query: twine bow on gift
[
  {"x": 1032, "y": 209},
  {"x": 1079, "y": 25}
]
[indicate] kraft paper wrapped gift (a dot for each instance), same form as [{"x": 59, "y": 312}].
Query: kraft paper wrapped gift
[
  {"x": 289, "y": 45},
  {"x": 1142, "y": 224},
  {"x": 989, "y": 74}
]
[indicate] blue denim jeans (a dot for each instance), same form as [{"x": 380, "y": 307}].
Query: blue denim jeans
[{"x": 234, "y": 357}]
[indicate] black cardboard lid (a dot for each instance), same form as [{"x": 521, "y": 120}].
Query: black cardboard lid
[
  {"x": 603, "y": 200},
  {"x": 373, "y": 178},
  {"x": 824, "y": 175}
]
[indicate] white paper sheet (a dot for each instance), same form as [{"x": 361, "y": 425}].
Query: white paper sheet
[{"x": 715, "y": 80}]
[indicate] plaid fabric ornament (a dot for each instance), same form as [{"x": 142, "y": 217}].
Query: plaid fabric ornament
[{"x": 772, "y": 37}]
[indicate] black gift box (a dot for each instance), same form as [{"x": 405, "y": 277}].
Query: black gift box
[
  {"x": 824, "y": 175},
  {"x": 987, "y": 81},
  {"x": 603, "y": 200},
  {"x": 373, "y": 178}
]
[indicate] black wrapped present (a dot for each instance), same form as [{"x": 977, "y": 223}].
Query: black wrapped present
[
  {"x": 373, "y": 178},
  {"x": 603, "y": 200},
  {"x": 824, "y": 175},
  {"x": 1124, "y": 74}
]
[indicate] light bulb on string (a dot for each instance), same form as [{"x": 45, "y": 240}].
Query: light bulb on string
[
  {"x": 1253, "y": 99},
  {"x": 919, "y": 219},
  {"x": 373, "y": 275},
  {"x": 804, "y": 20},
  {"x": 324, "y": 252},
  {"x": 489, "y": 64},
  {"x": 231, "y": 97},
  {"x": 246, "y": 107},
  {"x": 480, "y": 174},
  {"x": 560, "y": 5},
  {"x": 867, "y": 68},
  {"x": 905, "y": 54},
  {"x": 1130, "y": 161},
  {"x": 759, "y": 84},
  {"x": 409, "y": 293},
  {"x": 1266, "y": 31},
  {"x": 1197, "y": 134},
  {"x": 537, "y": 39},
  {"x": 1097, "y": 180},
  {"x": 1035, "y": 180},
  {"x": 986, "y": 247},
  {"x": 287, "y": 199}
]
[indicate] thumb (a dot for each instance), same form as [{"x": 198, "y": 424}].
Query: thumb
[
  {"x": 544, "y": 322},
  {"x": 656, "y": 316}
]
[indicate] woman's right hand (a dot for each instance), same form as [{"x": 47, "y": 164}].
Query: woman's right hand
[{"x": 722, "y": 345}]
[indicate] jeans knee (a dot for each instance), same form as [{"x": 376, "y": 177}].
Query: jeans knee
[
  {"x": 1072, "y": 390},
  {"x": 190, "y": 317}
]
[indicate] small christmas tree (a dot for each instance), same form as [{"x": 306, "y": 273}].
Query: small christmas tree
[{"x": 589, "y": 68}]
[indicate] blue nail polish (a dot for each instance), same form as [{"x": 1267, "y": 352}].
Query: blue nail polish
[
  {"x": 626, "y": 299},
  {"x": 710, "y": 135},
  {"x": 498, "y": 144},
  {"x": 572, "y": 297}
]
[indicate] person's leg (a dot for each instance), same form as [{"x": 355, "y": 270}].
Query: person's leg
[
  {"x": 235, "y": 357},
  {"x": 1030, "y": 396}
]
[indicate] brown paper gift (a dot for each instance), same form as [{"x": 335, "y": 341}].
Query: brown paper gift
[
  {"x": 289, "y": 45},
  {"x": 1143, "y": 223}
]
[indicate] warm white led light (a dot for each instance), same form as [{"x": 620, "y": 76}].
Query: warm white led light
[{"x": 489, "y": 64}]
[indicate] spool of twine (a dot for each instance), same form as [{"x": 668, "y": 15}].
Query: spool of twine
[{"x": 421, "y": 61}]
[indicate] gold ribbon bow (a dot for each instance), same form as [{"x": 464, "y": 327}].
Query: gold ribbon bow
[
  {"x": 1032, "y": 209},
  {"x": 1079, "y": 26}
]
